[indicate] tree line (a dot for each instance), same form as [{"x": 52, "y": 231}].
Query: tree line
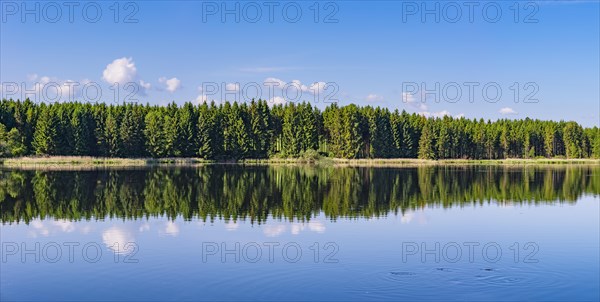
[
  {"x": 256, "y": 193},
  {"x": 232, "y": 131}
]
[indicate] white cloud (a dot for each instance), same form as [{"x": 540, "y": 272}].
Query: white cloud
[
  {"x": 45, "y": 80},
  {"x": 171, "y": 229},
  {"x": 435, "y": 114},
  {"x": 202, "y": 98},
  {"x": 86, "y": 229},
  {"x": 317, "y": 87},
  {"x": 298, "y": 85},
  {"x": 124, "y": 72},
  {"x": 274, "y": 230},
  {"x": 316, "y": 226},
  {"x": 276, "y": 101},
  {"x": 144, "y": 227},
  {"x": 145, "y": 85},
  {"x": 374, "y": 97},
  {"x": 46, "y": 228},
  {"x": 274, "y": 81},
  {"x": 232, "y": 87},
  {"x": 507, "y": 111},
  {"x": 314, "y": 88},
  {"x": 65, "y": 225},
  {"x": 39, "y": 228},
  {"x": 412, "y": 217},
  {"x": 172, "y": 84},
  {"x": 117, "y": 239},
  {"x": 70, "y": 89},
  {"x": 297, "y": 228},
  {"x": 410, "y": 99},
  {"x": 49, "y": 89},
  {"x": 313, "y": 226},
  {"x": 120, "y": 71},
  {"x": 407, "y": 218},
  {"x": 231, "y": 226}
]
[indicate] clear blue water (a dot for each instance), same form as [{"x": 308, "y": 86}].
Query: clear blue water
[{"x": 171, "y": 234}]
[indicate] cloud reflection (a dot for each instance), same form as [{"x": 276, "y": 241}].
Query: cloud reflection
[
  {"x": 117, "y": 239},
  {"x": 171, "y": 229},
  {"x": 313, "y": 226},
  {"x": 274, "y": 230}
]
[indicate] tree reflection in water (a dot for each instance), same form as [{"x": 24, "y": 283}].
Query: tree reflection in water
[{"x": 233, "y": 192}]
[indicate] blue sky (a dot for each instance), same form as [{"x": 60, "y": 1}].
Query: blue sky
[{"x": 372, "y": 54}]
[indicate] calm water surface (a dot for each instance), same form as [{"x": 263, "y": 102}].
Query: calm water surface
[{"x": 301, "y": 233}]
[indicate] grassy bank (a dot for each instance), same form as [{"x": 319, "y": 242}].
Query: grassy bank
[
  {"x": 65, "y": 162},
  {"x": 91, "y": 162}
]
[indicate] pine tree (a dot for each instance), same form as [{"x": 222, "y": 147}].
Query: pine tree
[
  {"x": 397, "y": 133},
  {"x": 242, "y": 129},
  {"x": 549, "y": 140},
  {"x": 187, "y": 129},
  {"x": 99, "y": 113},
  {"x": 207, "y": 127},
  {"x": 444, "y": 139},
  {"x": 595, "y": 140},
  {"x": 332, "y": 120},
  {"x": 127, "y": 133},
  {"x": 170, "y": 135},
  {"x": 15, "y": 143},
  {"x": 261, "y": 132},
  {"x": 309, "y": 128},
  {"x": 111, "y": 135},
  {"x": 291, "y": 131},
  {"x": 155, "y": 136},
  {"x": 4, "y": 149},
  {"x": 427, "y": 142},
  {"x": 353, "y": 131},
  {"x": 573, "y": 140},
  {"x": 83, "y": 131},
  {"x": 46, "y": 133}
]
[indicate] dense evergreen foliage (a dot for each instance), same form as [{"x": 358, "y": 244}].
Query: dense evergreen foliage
[
  {"x": 212, "y": 192},
  {"x": 256, "y": 130}
]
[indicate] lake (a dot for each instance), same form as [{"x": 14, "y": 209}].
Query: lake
[{"x": 233, "y": 232}]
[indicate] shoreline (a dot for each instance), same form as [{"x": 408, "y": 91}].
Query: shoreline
[{"x": 76, "y": 162}]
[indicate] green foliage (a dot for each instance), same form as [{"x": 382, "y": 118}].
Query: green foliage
[
  {"x": 232, "y": 131},
  {"x": 427, "y": 142},
  {"x": 310, "y": 155},
  {"x": 46, "y": 138},
  {"x": 573, "y": 140},
  {"x": 131, "y": 132},
  {"x": 15, "y": 143},
  {"x": 259, "y": 193},
  {"x": 187, "y": 119},
  {"x": 210, "y": 135},
  {"x": 83, "y": 126},
  {"x": 155, "y": 135},
  {"x": 111, "y": 135}
]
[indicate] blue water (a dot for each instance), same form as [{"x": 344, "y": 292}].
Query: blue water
[{"x": 534, "y": 251}]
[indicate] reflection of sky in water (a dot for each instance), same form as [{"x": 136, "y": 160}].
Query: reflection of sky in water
[
  {"x": 117, "y": 238},
  {"x": 370, "y": 257}
]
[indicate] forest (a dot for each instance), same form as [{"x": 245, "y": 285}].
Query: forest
[{"x": 234, "y": 131}]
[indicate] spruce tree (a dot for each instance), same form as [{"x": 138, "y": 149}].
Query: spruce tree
[
  {"x": 111, "y": 135},
  {"x": 46, "y": 133}
]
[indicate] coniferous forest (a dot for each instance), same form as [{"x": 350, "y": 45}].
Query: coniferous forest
[{"x": 232, "y": 131}]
